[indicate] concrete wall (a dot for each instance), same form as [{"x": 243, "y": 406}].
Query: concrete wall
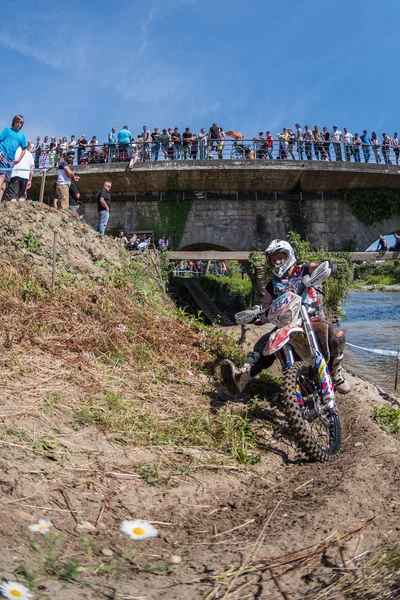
[{"x": 242, "y": 223}]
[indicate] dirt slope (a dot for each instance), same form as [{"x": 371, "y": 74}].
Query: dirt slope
[{"x": 61, "y": 461}]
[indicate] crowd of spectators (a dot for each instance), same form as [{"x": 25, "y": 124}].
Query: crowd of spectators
[
  {"x": 137, "y": 241},
  {"x": 299, "y": 143},
  {"x": 325, "y": 145},
  {"x": 200, "y": 267}
]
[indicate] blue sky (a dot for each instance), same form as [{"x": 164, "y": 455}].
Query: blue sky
[{"x": 82, "y": 67}]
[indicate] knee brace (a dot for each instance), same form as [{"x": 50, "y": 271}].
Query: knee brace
[
  {"x": 337, "y": 340},
  {"x": 253, "y": 357}
]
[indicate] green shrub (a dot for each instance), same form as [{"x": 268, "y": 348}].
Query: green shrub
[
  {"x": 229, "y": 293},
  {"x": 388, "y": 417},
  {"x": 31, "y": 242},
  {"x": 372, "y": 206},
  {"x": 386, "y": 274}
]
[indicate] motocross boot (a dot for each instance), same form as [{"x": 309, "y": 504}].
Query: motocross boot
[
  {"x": 338, "y": 379},
  {"x": 234, "y": 378}
]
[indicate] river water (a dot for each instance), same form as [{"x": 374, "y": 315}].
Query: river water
[{"x": 372, "y": 321}]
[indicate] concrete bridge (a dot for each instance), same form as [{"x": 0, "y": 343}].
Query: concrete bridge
[
  {"x": 356, "y": 257},
  {"x": 237, "y": 205}
]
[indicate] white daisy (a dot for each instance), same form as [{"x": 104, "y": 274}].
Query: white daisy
[
  {"x": 138, "y": 530},
  {"x": 42, "y": 527},
  {"x": 13, "y": 590}
]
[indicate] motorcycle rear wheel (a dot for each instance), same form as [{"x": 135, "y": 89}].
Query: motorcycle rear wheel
[{"x": 320, "y": 438}]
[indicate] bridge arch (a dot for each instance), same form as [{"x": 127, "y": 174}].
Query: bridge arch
[
  {"x": 203, "y": 246},
  {"x": 368, "y": 233}
]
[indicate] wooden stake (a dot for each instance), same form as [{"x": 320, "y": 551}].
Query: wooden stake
[
  {"x": 53, "y": 275},
  {"x": 42, "y": 184}
]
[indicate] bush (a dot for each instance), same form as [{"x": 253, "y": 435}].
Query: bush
[
  {"x": 388, "y": 418},
  {"x": 386, "y": 274},
  {"x": 372, "y": 206},
  {"x": 229, "y": 293}
]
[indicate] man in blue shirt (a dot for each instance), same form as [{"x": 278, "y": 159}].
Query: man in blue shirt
[
  {"x": 366, "y": 145},
  {"x": 112, "y": 138},
  {"x": 112, "y": 142},
  {"x": 11, "y": 139},
  {"x": 124, "y": 141}
]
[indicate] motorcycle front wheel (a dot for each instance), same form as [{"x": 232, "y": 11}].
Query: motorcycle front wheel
[{"x": 317, "y": 432}]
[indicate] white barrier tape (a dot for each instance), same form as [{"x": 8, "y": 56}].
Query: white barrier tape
[{"x": 377, "y": 351}]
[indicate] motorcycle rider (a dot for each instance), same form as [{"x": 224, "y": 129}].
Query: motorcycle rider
[{"x": 287, "y": 276}]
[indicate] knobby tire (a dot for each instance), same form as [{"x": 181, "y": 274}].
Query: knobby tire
[{"x": 298, "y": 425}]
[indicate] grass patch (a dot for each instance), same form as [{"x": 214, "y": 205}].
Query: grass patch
[
  {"x": 16, "y": 433},
  {"x": 388, "y": 418},
  {"x": 141, "y": 364},
  {"x": 30, "y": 241},
  {"x": 126, "y": 421}
]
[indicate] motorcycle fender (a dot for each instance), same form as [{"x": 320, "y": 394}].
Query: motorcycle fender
[{"x": 279, "y": 338}]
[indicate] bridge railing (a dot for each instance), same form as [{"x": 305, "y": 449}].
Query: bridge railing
[{"x": 249, "y": 149}]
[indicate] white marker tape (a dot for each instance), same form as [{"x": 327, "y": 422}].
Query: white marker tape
[{"x": 377, "y": 351}]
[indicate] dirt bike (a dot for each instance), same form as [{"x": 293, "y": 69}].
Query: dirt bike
[{"x": 300, "y": 342}]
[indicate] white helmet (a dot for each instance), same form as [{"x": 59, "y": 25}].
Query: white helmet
[{"x": 290, "y": 260}]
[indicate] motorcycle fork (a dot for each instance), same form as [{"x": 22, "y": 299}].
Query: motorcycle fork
[
  {"x": 322, "y": 369},
  {"x": 286, "y": 356}
]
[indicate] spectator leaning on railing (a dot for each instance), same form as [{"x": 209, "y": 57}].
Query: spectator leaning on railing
[
  {"x": 176, "y": 141},
  {"x": 203, "y": 143},
  {"x": 290, "y": 145},
  {"x": 386, "y": 145},
  {"x": 300, "y": 141},
  {"x": 124, "y": 139},
  {"x": 308, "y": 140},
  {"x": 366, "y": 143},
  {"x": 38, "y": 151},
  {"x": 82, "y": 145},
  {"x": 336, "y": 137}
]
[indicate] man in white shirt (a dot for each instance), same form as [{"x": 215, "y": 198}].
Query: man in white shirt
[
  {"x": 21, "y": 176},
  {"x": 336, "y": 137},
  {"x": 72, "y": 143},
  {"x": 300, "y": 141},
  {"x": 203, "y": 143},
  {"x": 396, "y": 147},
  {"x": 259, "y": 142},
  {"x": 348, "y": 144}
]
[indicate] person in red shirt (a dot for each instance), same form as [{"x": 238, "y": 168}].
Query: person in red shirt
[{"x": 269, "y": 144}]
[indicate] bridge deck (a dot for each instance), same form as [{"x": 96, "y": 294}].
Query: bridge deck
[
  {"x": 244, "y": 256},
  {"x": 218, "y": 175}
]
